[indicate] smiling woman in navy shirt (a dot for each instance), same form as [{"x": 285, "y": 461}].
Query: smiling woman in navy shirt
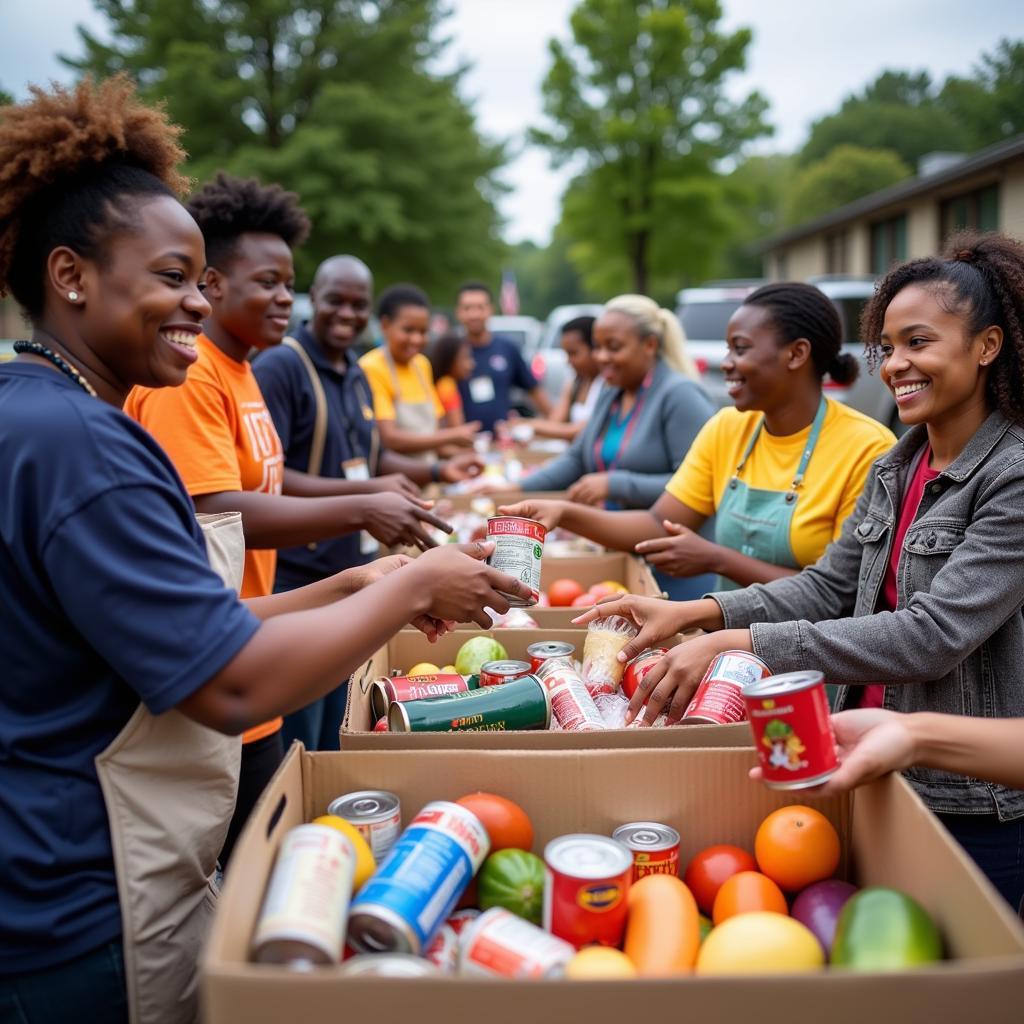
[{"x": 129, "y": 667}]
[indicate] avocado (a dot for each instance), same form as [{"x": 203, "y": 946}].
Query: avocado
[{"x": 884, "y": 930}]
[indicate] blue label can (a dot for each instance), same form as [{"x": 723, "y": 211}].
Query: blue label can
[{"x": 413, "y": 892}]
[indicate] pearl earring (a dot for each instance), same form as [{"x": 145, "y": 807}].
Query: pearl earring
[{"x": 73, "y": 296}]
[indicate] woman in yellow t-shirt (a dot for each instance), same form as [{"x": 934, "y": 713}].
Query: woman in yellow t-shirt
[
  {"x": 780, "y": 471},
  {"x": 410, "y": 415}
]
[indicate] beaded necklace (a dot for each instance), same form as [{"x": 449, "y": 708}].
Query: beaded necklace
[{"x": 35, "y": 348}]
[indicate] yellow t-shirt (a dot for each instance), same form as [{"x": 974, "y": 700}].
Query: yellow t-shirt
[
  {"x": 410, "y": 383},
  {"x": 848, "y": 444}
]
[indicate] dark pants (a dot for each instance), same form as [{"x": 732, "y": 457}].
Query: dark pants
[
  {"x": 90, "y": 988},
  {"x": 259, "y": 762},
  {"x": 317, "y": 724},
  {"x": 997, "y": 847}
]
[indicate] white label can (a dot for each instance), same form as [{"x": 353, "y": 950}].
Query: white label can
[{"x": 518, "y": 547}]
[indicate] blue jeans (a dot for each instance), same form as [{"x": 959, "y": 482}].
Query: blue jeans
[
  {"x": 90, "y": 988},
  {"x": 685, "y": 588},
  {"x": 997, "y": 847}
]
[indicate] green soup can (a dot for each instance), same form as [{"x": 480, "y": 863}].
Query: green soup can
[{"x": 522, "y": 703}]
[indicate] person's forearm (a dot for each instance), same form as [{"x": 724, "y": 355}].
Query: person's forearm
[
  {"x": 983, "y": 748},
  {"x": 405, "y": 441},
  {"x": 541, "y": 401},
  {"x": 314, "y": 595},
  {"x": 302, "y": 485},
  {"x": 743, "y": 569},
  {"x": 559, "y": 431},
  {"x": 418, "y": 472},
  {"x": 621, "y": 531},
  {"x": 280, "y": 521}
]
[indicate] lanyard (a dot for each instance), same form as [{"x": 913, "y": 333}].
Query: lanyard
[{"x": 631, "y": 422}]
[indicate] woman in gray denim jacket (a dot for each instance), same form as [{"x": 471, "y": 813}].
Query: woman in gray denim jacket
[{"x": 949, "y": 336}]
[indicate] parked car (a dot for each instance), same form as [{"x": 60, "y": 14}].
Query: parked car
[
  {"x": 705, "y": 312},
  {"x": 525, "y": 331},
  {"x": 547, "y": 360}
]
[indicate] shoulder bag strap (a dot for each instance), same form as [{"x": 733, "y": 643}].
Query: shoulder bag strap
[{"x": 316, "y": 447}]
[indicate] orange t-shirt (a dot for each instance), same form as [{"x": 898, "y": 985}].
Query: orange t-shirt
[{"x": 218, "y": 433}]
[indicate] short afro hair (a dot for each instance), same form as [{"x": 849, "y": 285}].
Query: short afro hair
[
  {"x": 228, "y": 207},
  {"x": 397, "y": 297}
]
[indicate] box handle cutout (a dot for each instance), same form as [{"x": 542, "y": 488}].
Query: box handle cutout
[{"x": 276, "y": 816}]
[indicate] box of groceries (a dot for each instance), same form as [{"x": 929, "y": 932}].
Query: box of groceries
[{"x": 576, "y": 885}]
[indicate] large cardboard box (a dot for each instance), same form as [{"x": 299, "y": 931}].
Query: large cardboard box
[
  {"x": 410, "y": 647},
  {"x": 889, "y": 838}
]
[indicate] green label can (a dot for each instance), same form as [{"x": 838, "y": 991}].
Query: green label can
[{"x": 522, "y": 703}]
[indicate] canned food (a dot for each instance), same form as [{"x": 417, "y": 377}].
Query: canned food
[
  {"x": 403, "y": 905},
  {"x": 571, "y": 702},
  {"x": 389, "y": 965},
  {"x": 499, "y": 943},
  {"x": 547, "y": 649},
  {"x": 789, "y": 717},
  {"x": 384, "y": 692},
  {"x": 655, "y": 847},
  {"x": 521, "y": 704},
  {"x": 494, "y": 673},
  {"x": 302, "y": 921},
  {"x": 588, "y": 880},
  {"x": 518, "y": 547},
  {"x": 719, "y": 698},
  {"x": 639, "y": 667},
  {"x": 376, "y": 813},
  {"x": 443, "y": 952},
  {"x": 462, "y": 919}
]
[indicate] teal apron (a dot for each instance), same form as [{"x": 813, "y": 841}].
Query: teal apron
[{"x": 757, "y": 522}]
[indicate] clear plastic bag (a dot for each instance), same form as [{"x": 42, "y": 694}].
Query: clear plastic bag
[{"x": 602, "y": 670}]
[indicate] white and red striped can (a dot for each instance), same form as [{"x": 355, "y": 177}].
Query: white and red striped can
[
  {"x": 443, "y": 952},
  {"x": 545, "y": 650},
  {"x": 719, "y": 698},
  {"x": 518, "y": 547},
  {"x": 571, "y": 703},
  {"x": 494, "y": 673},
  {"x": 462, "y": 919}
]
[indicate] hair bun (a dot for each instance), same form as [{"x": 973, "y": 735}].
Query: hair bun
[
  {"x": 844, "y": 369},
  {"x": 965, "y": 256}
]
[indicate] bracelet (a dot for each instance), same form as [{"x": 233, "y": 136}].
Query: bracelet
[{"x": 435, "y": 472}]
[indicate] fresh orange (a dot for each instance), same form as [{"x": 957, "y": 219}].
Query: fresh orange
[
  {"x": 745, "y": 893},
  {"x": 562, "y": 593},
  {"x": 507, "y": 824},
  {"x": 797, "y": 846},
  {"x": 711, "y": 867}
]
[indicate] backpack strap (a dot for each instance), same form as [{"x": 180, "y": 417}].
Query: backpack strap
[{"x": 316, "y": 447}]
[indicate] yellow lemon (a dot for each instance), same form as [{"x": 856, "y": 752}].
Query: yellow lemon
[
  {"x": 761, "y": 942},
  {"x": 365, "y": 864},
  {"x": 619, "y": 588},
  {"x": 449, "y": 669},
  {"x": 600, "y": 962},
  {"x": 424, "y": 668}
]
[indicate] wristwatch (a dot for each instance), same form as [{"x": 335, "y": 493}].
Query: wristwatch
[{"x": 435, "y": 472}]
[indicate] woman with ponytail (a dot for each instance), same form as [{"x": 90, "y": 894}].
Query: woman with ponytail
[
  {"x": 780, "y": 471},
  {"x": 918, "y": 605}
]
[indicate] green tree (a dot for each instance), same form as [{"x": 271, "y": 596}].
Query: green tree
[
  {"x": 335, "y": 99},
  {"x": 637, "y": 102},
  {"x": 546, "y": 277},
  {"x": 846, "y": 173},
  {"x": 989, "y": 104},
  {"x": 5, "y": 97},
  {"x": 755, "y": 193}
]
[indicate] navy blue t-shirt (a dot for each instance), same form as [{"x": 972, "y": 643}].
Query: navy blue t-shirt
[
  {"x": 351, "y": 434},
  {"x": 502, "y": 363},
  {"x": 106, "y": 599}
]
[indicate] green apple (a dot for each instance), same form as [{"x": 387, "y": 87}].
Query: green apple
[{"x": 477, "y": 651}]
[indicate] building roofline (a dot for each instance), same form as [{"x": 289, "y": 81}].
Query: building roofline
[{"x": 990, "y": 156}]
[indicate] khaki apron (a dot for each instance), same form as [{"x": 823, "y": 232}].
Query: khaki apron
[
  {"x": 415, "y": 417},
  {"x": 169, "y": 785}
]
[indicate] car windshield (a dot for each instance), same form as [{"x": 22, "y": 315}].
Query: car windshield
[{"x": 707, "y": 321}]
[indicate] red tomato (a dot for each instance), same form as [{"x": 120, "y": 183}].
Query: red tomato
[
  {"x": 381, "y": 726},
  {"x": 711, "y": 867},
  {"x": 599, "y": 590},
  {"x": 562, "y": 593},
  {"x": 584, "y": 601},
  {"x": 506, "y": 822}
]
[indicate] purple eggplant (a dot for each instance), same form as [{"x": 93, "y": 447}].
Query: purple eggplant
[{"x": 818, "y": 908}]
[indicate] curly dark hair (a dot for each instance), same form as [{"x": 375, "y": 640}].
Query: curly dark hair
[
  {"x": 398, "y": 296},
  {"x": 979, "y": 277},
  {"x": 800, "y": 310},
  {"x": 229, "y": 207},
  {"x": 68, "y": 160}
]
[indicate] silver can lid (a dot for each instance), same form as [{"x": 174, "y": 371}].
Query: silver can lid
[
  {"x": 551, "y": 649},
  {"x": 506, "y": 667},
  {"x": 588, "y": 856},
  {"x": 786, "y": 682},
  {"x": 647, "y": 836},
  {"x": 365, "y": 805},
  {"x": 389, "y": 965}
]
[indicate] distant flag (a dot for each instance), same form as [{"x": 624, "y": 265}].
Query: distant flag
[{"x": 509, "y": 300}]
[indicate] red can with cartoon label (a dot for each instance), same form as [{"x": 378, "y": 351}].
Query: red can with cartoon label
[
  {"x": 588, "y": 878},
  {"x": 719, "y": 698},
  {"x": 789, "y": 717}
]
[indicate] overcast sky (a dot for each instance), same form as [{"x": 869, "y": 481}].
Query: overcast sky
[{"x": 805, "y": 57}]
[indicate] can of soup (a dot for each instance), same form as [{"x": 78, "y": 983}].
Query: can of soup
[
  {"x": 443, "y": 952},
  {"x": 719, "y": 698},
  {"x": 405, "y": 902},
  {"x": 376, "y": 813},
  {"x": 655, "y": 847},
  {"x": 518, "y": 547},
  {"x": 571, "y": 702},
  {"x": 546, "y": 649},
  {"x": 384, "y": 692},
  {"x": 789, "y": 717},
  {"x": 639, "y": 667},
  {"x": 523, "y": 703},
  {"x": 494, "y": 673},
  {"x": 588, "y": 880},
  {"x": 389, "y": 965},
  {"x": 500, "y": 944}
]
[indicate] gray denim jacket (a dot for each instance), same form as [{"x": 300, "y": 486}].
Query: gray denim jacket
[{"x": 956, "y": 640}]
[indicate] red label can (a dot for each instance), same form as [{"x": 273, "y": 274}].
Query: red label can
[
  {"x": 384, "y": 692},
  {"x": 655, "y": 847},
  {"x": 494, "y": 673},
  {"x": 588, "y": 879},
  {"x": 499, "y": 943},
  {"x": 639, "y": 667},
  {"x": 540, "y": 652},
  {"x": 518, "y": 547},
  {"x": 789, "y": 717},
  {"x": 719, "y": 698},
  {"x": 571, "y": 704}
]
